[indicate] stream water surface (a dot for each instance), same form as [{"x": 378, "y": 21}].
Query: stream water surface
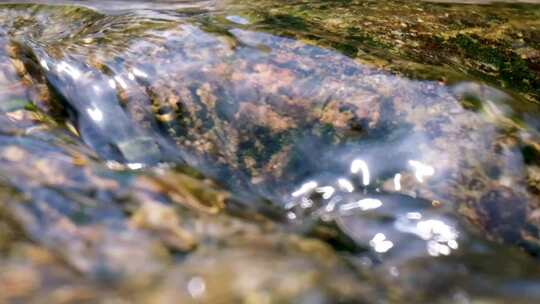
[{"x": 269, "y": 151}]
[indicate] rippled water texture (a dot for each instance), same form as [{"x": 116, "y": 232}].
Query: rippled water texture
[{"x": 270, "y": 152}]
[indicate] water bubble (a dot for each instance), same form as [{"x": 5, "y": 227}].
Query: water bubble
[{"x": 196, "y": 287}]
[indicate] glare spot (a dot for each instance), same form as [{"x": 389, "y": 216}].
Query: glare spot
[
  {"x": 414, "y": 215},
  {"x": 96, "y": 88},
  {"x": 506, "y": 181},
  {"x": 135, "y": 166},
  {"x": 436, "y": 249},
  {"x": 332, "y": 204},
  {"x": 397, "y": 182},
  {"x": 492, "y": 110},
  {"x": 44, "y": 64},
  {"x": 435, "y": 229},
  {"x": 139, "y": 73},
  {"x": 440, "y": 237},
  {"x": 112, "y": 84},
  {"x": 121, "y": 82},
  {"x": 394, "y": 271},
  {"x": 290, "y": 205},
  {"x": 345, "y": 184},
  {"x": 196, "y": 287},
  {"x": 359, "y": 165},
  {"x": 114, "y": 165},
  {"x": 305, "y": 188},
  {"x": 291, "y": 215},
  {"x": 131, "y": 76},
  {"x": 95, "y": 114},
  {"x": 363, "y": 204},
  {"x": 68, "y": 69},
  {"x": 453, "y": 244},
  {"x": 421, "y": 170},
  {"x": 326, "y": 191},
  {"x": 380, "y": 243}
]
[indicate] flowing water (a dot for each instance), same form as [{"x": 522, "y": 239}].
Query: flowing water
[{"x": 269, "y": 151}]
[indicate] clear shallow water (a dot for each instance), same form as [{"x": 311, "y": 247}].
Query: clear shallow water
[{"x": 368, "y": 166}]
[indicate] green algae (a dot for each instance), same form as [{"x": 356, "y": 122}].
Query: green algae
[{"x": 498, "y": 44}]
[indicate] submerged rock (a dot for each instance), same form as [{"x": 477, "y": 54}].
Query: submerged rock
[{"x": 344, "y": 182}]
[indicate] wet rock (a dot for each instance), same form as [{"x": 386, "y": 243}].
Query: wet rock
[
  {"x": 347, "y": 179},
  {"x": 503, "y": 214}
]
